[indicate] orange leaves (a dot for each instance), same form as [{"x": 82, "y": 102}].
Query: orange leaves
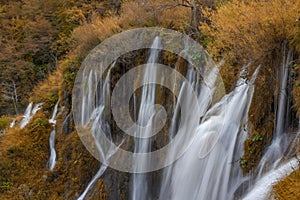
[
  {"x": 133, "y": 14},
  {"x": 254, "y": 28},
  {"x": 289, "y": 187}
]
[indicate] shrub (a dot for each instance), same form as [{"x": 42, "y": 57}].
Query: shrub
[
  {"x": 252, "y": 30},
  {"x": 47, "y": 92},
  {"x": 133, "y": 14},
  {"x": 4, "y": 122},
  {"x": 289, "y": 187},
  {"x": 39, "y": 122}
]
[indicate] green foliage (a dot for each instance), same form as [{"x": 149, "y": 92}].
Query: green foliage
[
  {"x": 3, "y": 168},
  {"x": 5, "y": 185},
  {"x": 243, "y": 163},
  {"x": 4, "y": 122},
  {"x": 39, "y": 123},
  {"x": 52, "y": 99},
  {"x": 70, "y": 68},
  {"x": 252, "y": 150},
  {"x": 70, "y": 76},
  {"x": 257, "y": 137},
  {"x": 206, "y": 40}
]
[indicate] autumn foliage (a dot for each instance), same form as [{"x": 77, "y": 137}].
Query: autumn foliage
[
  {"x": 34, "y": 36},
  {"x": 246, "y": 31}
]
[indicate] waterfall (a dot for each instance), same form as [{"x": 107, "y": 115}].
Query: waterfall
[
  {"x": 97, "y": 122},
  {"x": 281, "y": 140},
  {"x": 215, "y": 133},
  {"x": 205, "y": 93},
  {"x": 29, "y": 113},
  {"x": 140, "y": 188},
  {"x": 95, "y": 178},
  {"x": 206, "y": 170},
  {"x": 52, "y": 119},
  {"x": 52, "y": 159},
  {"x": 36, "y": 108},
  {"x": 65, "y": 124},
  {"x": 270, "y": 169},
  {"x": 12, "y": 124},
  {"x": 26, "y": 116}
]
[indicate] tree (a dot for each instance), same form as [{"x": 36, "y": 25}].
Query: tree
[
  {"x": 34, "y": 36},
  {"x": 9, "y": 92}
]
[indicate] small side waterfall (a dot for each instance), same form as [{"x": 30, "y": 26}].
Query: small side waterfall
[
  {"x": 270, "y": 169},
  {"x": 52, "y": 159},
  {"x": 12, "y": 124},
  {"x": 29, "y": 113},
  {"x": 52, "y": 119},
  {"x": 36, "y": 108},
  {"x": 97, "y": 122},
  {"x": 26, "y": 116},
  {"x": 95, "y": 178},
  {"x": 276, "y": 150}
]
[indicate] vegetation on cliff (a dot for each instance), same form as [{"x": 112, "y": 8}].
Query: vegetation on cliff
[{"x": 260, "y": 33}]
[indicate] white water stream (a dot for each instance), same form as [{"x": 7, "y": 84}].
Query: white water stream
[
  {"x": 52, "y": 159},
  {"x": 209, "y": 169}
]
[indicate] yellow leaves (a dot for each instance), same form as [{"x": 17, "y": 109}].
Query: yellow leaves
[
  {"x": 47, "y": 90},
  {"x": 289, "y": 187},
  {"x": 74, "y": 15},
  {"x": 88, "y": 35},
  {"x": 2, "y": 10},
  {"x": 254, "y": 28},
  {"x": 133, "y": 14}
]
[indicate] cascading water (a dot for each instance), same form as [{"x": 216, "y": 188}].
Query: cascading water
[
  {"x": 269, "y": 169},
  {"x": 205, "y": 93},
  {"x": 95, "y": 178},
  {"x": 29, "y": 113},
  {"x": 206, "y": 170},
  {"x": 26, "y": 116},
  {"x": 209, "y": 169},
  {"x": 52, "y": 159},
  {"x": 12, "y": 124},
  {"x": 140, "y": 189},
  {"x": 97, "y": 121},
  {"x": 36, "y": 108},
  {"x": 52, "y": 119},
  {"x": 280, "y": 142}
]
